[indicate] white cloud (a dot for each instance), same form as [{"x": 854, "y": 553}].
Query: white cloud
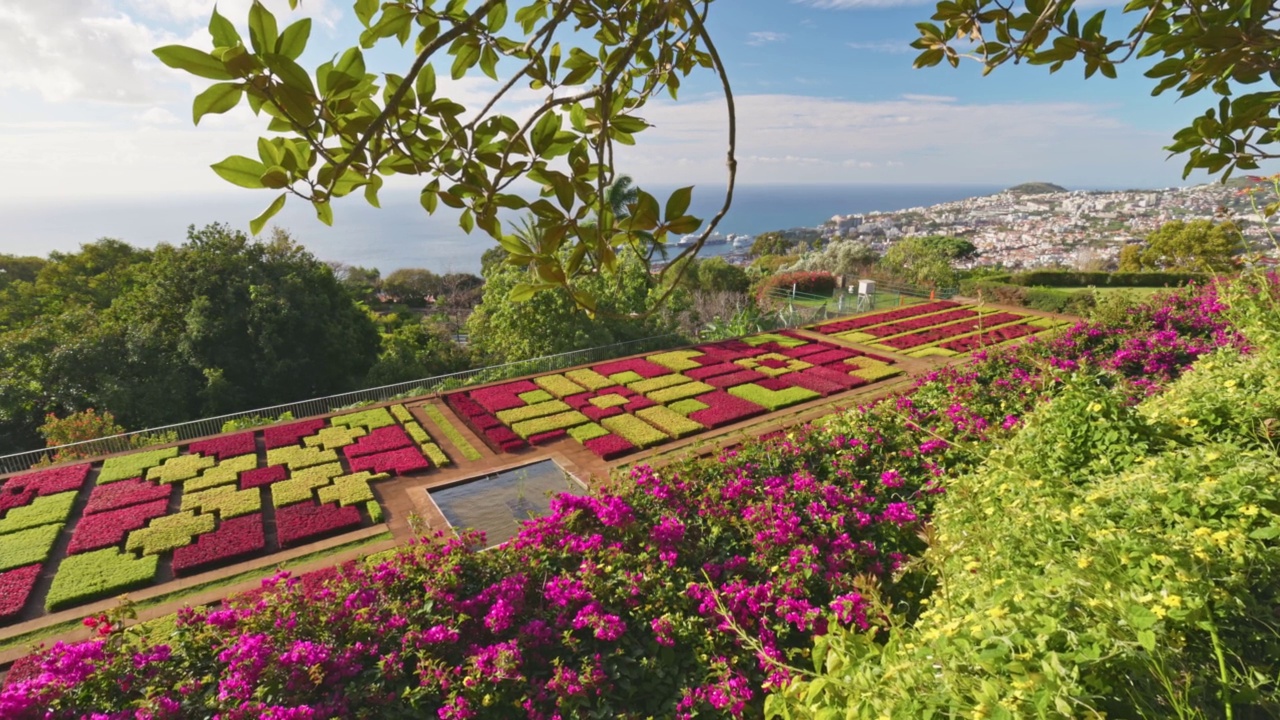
[
  {"x": 78, "y": 50},
  {"x": 913, "y": 97},
  {"x": 883, "y": 46},
  {"x": 917, "y": 138},
  {"x": 237, "y": 11},
  {"x": 157, "y": 116},
  {"x": 765, "y": 37},
  {"x": 856, "y": 4}
]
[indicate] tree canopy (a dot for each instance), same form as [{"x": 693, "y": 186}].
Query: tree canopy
[
  {"x": 927, "y": 260},
  {"x": 1203, "y": 45},
  {"x": 1188, "y": 246},
  {"x": 338, "y": 128}
]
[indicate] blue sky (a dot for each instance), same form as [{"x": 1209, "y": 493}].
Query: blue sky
[{"x": 825, "y": 89}]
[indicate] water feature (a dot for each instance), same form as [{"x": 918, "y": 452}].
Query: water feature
[{"x": 497, "y": 503}]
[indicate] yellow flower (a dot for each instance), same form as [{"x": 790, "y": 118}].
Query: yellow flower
[
  {"x": 1095, "y": 406},
  {"x": 1172, "y": 600},
  {"x": 1249, "y": 510},
  {"x": 1084, "y": 562},
  {"x": 1159, "y": 611},
  {"x": 997, "y": 612}
]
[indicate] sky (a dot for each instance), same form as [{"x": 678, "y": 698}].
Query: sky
[{"x": 825, "y": 95}]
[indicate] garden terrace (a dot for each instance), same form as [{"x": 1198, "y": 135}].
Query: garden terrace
[{"x": 75, "y": 536}]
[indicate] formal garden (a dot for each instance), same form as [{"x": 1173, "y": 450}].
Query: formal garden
[{"x": 887, "y": 534}]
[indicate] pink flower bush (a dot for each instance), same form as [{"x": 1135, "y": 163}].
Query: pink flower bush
[
  {"x": 125, "y": 493},
  {"x": 234, "y": 539},
  {"x": 284, "y": 435},
  {"x": 104, "y": 529},
  {"x": 15, "y": 587},
  {"x": 308, "y": 521},
  {"x": 226, "y": 446}
]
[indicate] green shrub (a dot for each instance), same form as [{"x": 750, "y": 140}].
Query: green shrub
[
  {"x": 1058, "y": 278},
  {"x": 224, "y": 473},
  {"x": 773, "y": 399},
  {"x": 253, "y": 421},
  {"x": 625, "y": 377},
  {"x": 529, "y": 412},
  {"x": 98, "y": 574},
  {"x": 583, "y": 433},
  {"x": 529, "y": 428},
  {"x": 133, "y": 465},
  {"x": 634, "y": 430},
  {"x": 608, "y": 401},
  {"x": 300, "y": 457},
  {"x": 662, "y": 381},
  {"x": 558, "y": 385},
  {"x": 534, "y": 397},
  {"x": 180, "y": 468},
  {"x": 46, "y": 510},
  {"x": 300, "y": 484},
  {"x": 669, "y": 421},
  {"x": 367, "y": 419},
  {"x": 589, "y": 379},
  {"x": 467, "y": 449},
  {"x": 332, "y": 438},
  {"x": 26, "y": 547},
  {"x": 686, "y": 406},
  {"x": 351, "y": 489},
  {"x": 169, "y": 532},
  {"x": 679, "y": 392},
  {"x": 783, "y": 340},
  {"x": 677, "y": 360},
  {"x": 228, "y": 501},
  {"x": 375, "y": 511},
  {"x": 401, "y": 413}
]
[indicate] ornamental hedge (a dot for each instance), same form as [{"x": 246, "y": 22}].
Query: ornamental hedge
[
  {"x": 133, "y": 465},
  {"x": 97, "y": 575},
  {"x": 468, "y": 450},
  {"x": 227, "y": 501},
  {"x": 26, "y": 547},
  {"x": 47, "y": 510},
  {"x": 109, "y": 528},
  {"x": 169, "y": 532},
  {"x": 234, "y": 540},
  {"x": 224, "y": 473},
  {"x": 808, "y": 282}
]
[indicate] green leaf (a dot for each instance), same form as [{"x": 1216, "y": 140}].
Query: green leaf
[
  {"x": 222, "y": 31},
  {"x": 216, "y": 100},
  {"x": 242, "y": 171},
  {"x": 262, "y": 28},
  {"x": 196, "y": 62},
  {"x": 255, "y": 225},
  {"x": 324, "y": 211},
  {"x": 466, "y": 55},
  {"x": 497, "y": 17},
  {"x": 544, "y": 132},
  {"x": 425, "y": 83},
  {"x": 1147, "y": 639},
  {"x": 365, "y": 10},
  {"x": 467, "y": 222},
  {"x": 1141, "y": 617},
  {"x": 684, "y": 225},
  {"x": 522, "y": 292},
  {"x": 678, "y": 203},
  {"x": 645, "y": 216},
  {"x": 275, "y": 178},
  {"x": 1266, "y": 533},
  {"x": 294, "y": 39}
]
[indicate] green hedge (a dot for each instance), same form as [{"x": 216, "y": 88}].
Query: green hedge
[
  {"x": 351, "y": 489},
  {"x": 669, "y": 421},
  {"x": 563, "y": 420},
  {"x": 634, "y": 430},
  {"x": 169, "y": 532},
  {"x": 298, "y": 457},
  {"x": 468, "y": 450},
  {"x": 47, "y": 510},
  {"x": 177, "y": 469},
  {"x": 558, "y": 385},
  {"x": 224, "y": 473},
  {"x": 331, "y": 438},
  {"x": 27, "y": 547},
  {"x": 99, "y": 574},
  {"x": 772, "y": 399},
  {"x": 228, "y": 501},
  {"x": 589, "y": 379},
  {"x": 367, "y": 419},
  {"x": 300, "y": 484},
  {"x": 133, "y": 465},
  {"x": 529, "y": 412},
  {"x": 1072, "y": 279}
]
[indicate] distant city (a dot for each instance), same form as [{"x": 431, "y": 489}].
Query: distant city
[{"x": 1039, "y": 225}]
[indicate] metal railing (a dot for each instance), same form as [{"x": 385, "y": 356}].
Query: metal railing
[{"x": 18, "y": 462}]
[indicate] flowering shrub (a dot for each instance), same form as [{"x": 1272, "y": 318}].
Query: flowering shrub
[
  {"x": 234, "y": 540},
  {"x": 15, "y": 587},
  {"x": 133, "y": 465},
  {"x": 109, "y": 528},
  {"x": 47, "y": 510},
  {"x": 308, "y": 521},
  {"x": 125, "y": 493},
  {"x": 226, "y": 446}
]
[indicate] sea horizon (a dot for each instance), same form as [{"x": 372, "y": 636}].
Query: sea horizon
[{"x": 401, "y": 234}]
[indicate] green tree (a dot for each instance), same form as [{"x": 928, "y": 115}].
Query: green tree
[
  {"x": 93, "y": 277},
  {"x": 14, "y": 268},
  {"x": 771, "y": 243},
  {"x": 1190, "y": 246},
  {"x": 412, "y": 285},
  {"x": 363, "y": 283},
  {"x": 847, "y": 258},
  {"x": 550, "y": 322},
  {"x": 339, "y": 129},
  {"x": 715, "y": 274},
  {"x": 1217, "y": 47},
  {"x": 414, "y": 351},
  {"x": 1131, "y": 258},
  {"x": 927, "y": 260}
]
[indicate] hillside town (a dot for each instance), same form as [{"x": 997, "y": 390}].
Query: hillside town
[{"x": 1039, "y": 225}]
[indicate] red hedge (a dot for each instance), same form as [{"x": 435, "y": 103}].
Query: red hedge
[
  {"x": 105, "y": 529},
  {"x": 609, "y": 447},
  {"x": 383, "y": 439},
  {"x": 396, "y": 462},
  {"x": 125, "y": 493},
  {"x": 226, "y": 446},
  {"x": 262, "y": 476},
  {"x": 285, "y": 435},
  {"x": 817, "y": 282},
  {"x": 307, "y": 521},
  {"x": 234, "y": 539},
  {"x": 15, "y": 587}
]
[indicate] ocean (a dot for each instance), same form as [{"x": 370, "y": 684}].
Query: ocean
[{"x": 401, "y": 234}]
